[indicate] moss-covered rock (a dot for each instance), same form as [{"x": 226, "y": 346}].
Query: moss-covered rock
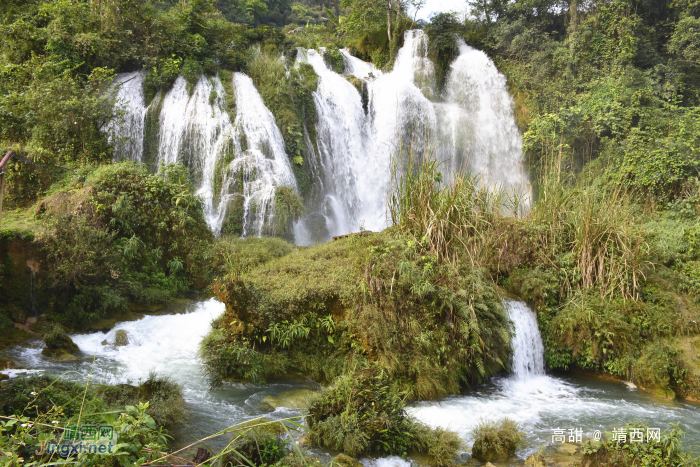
[
  {"x": 121, "y": 338},
  {"x": 496, "y": 441},
  {"x": 361, "y": 415},
  {"x": 58, "y": 344},
  {"x": 294, "y": 399},
  {"x": 346, "y": 461}
]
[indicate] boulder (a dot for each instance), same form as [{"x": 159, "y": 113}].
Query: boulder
[
  {"x": 567, "y": 448},
  {"x": 121, "y": 338},
  {"x": 291, "y": 399},
  {"x": 346, "y": 461},
  {"x": 59, "y": 345},
  {"x": 18, "y": 315},
  {"x": 535, "y": 460},
  {"x": 3, "y": 377}
]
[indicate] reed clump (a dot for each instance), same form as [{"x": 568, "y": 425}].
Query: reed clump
[{"x": 496, "y": 440}]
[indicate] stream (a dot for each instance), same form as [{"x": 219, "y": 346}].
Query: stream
[{"x": 540, "y": 401}]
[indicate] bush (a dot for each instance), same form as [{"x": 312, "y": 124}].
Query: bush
[
  {"x": 164, "y": 397},
  {"x": 191, "y": 71},
  {"x": 334, "y": 59},
  {"x": 233, "y": 256},
  {"x": 259, "y": 442},
  {"x": 496, "y": 440},
  {"x": 361, "y": 414}
]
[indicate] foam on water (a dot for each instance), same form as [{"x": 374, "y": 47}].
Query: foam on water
[{"x": 168, "y": 345}]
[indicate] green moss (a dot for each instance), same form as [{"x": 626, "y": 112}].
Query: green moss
[
  {"x": 229, "y": 94},
  {"x": 192, "y": 71},
  {"x": 290, "y": 100},
  {"x": 334, "y": 59},
  {"x": 362, "y": 415},
  {"x": 151, "y": 133},
  {"x": 288, "y": 209},
  {"x": 494, "y": 441}
]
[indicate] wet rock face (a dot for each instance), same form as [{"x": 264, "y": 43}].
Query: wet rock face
[
  {"x": 293, "y": 399},
  {"x": 346, "y": 461}
]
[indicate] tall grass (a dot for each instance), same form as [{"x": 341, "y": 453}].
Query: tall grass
[
  {"x": 598, "y": 228},
  {"x": 591, "y": 232},
  {"x": 448, "y": 218}
]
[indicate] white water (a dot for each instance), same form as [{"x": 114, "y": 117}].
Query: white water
[
  {"x": 470, "y": 127},
  {"x": 477, "y": 128},
  {"x": 195, "y": 130},
  {"x": 127, "y": 135},
  {"x": 168, "y": 345},
  {"x": 542, "y": 402}
]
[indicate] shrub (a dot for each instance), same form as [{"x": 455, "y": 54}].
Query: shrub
[
  {"x": 163, "y": 395},
  {"x": 334, "y": 59},
  {"x": 55, "y": 338},
  {"x": 361, "y": 414},
  {"x": 257, "y": 442},
  {"x": 496, "y": 440},
  {"x": 191, "y": 71}
]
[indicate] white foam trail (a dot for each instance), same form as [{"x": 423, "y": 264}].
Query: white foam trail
[{"x": 263, "y": 162}]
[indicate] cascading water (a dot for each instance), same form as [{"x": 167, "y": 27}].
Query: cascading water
[
  {"x": 236, "y": 165},
  {"x": 542, "y": 403},
  {"x": 528, "y": 350},
  {"x": 127, "y": 134},
  {"x": 168, "y": 345},
  {"x": 470, "y": 126},
  {"x": 477, "y": 129}
]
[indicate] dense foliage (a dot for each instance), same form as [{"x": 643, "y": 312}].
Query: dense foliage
[
  {"x": 361, "y": 414},
  {"x": 100, "y": 252}
]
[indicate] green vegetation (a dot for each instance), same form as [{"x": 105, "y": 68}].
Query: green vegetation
[
  {"x": 38, "y": 408},
  {"x": 99, "y": 252},
  {"x": 378, "y": 301},
  {"x": 611, "y": 452},
  {"x": 290, "y": 100},
  {"x": 361, "y": 414},
  {"x": 496, "y": 440}
]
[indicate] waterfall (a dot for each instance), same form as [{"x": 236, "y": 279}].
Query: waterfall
[
  {"x": 238, "y": 158},
  {"x": 528, "y": 350},
  {"x": 127, "y": 133},
  {"x": 477, "y": 129},
  {"x": 260, "y": 160},
  {"x": 236, "y": 166},
  {"x": 470, "y": 125},
  {"x": 340, "y": 131}
]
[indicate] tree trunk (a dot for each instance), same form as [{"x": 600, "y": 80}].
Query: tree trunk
[
  {"x": 573, "y": 13},
  {"x": 388, "y": 19},
  {"x": 486, "y": 11}
]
